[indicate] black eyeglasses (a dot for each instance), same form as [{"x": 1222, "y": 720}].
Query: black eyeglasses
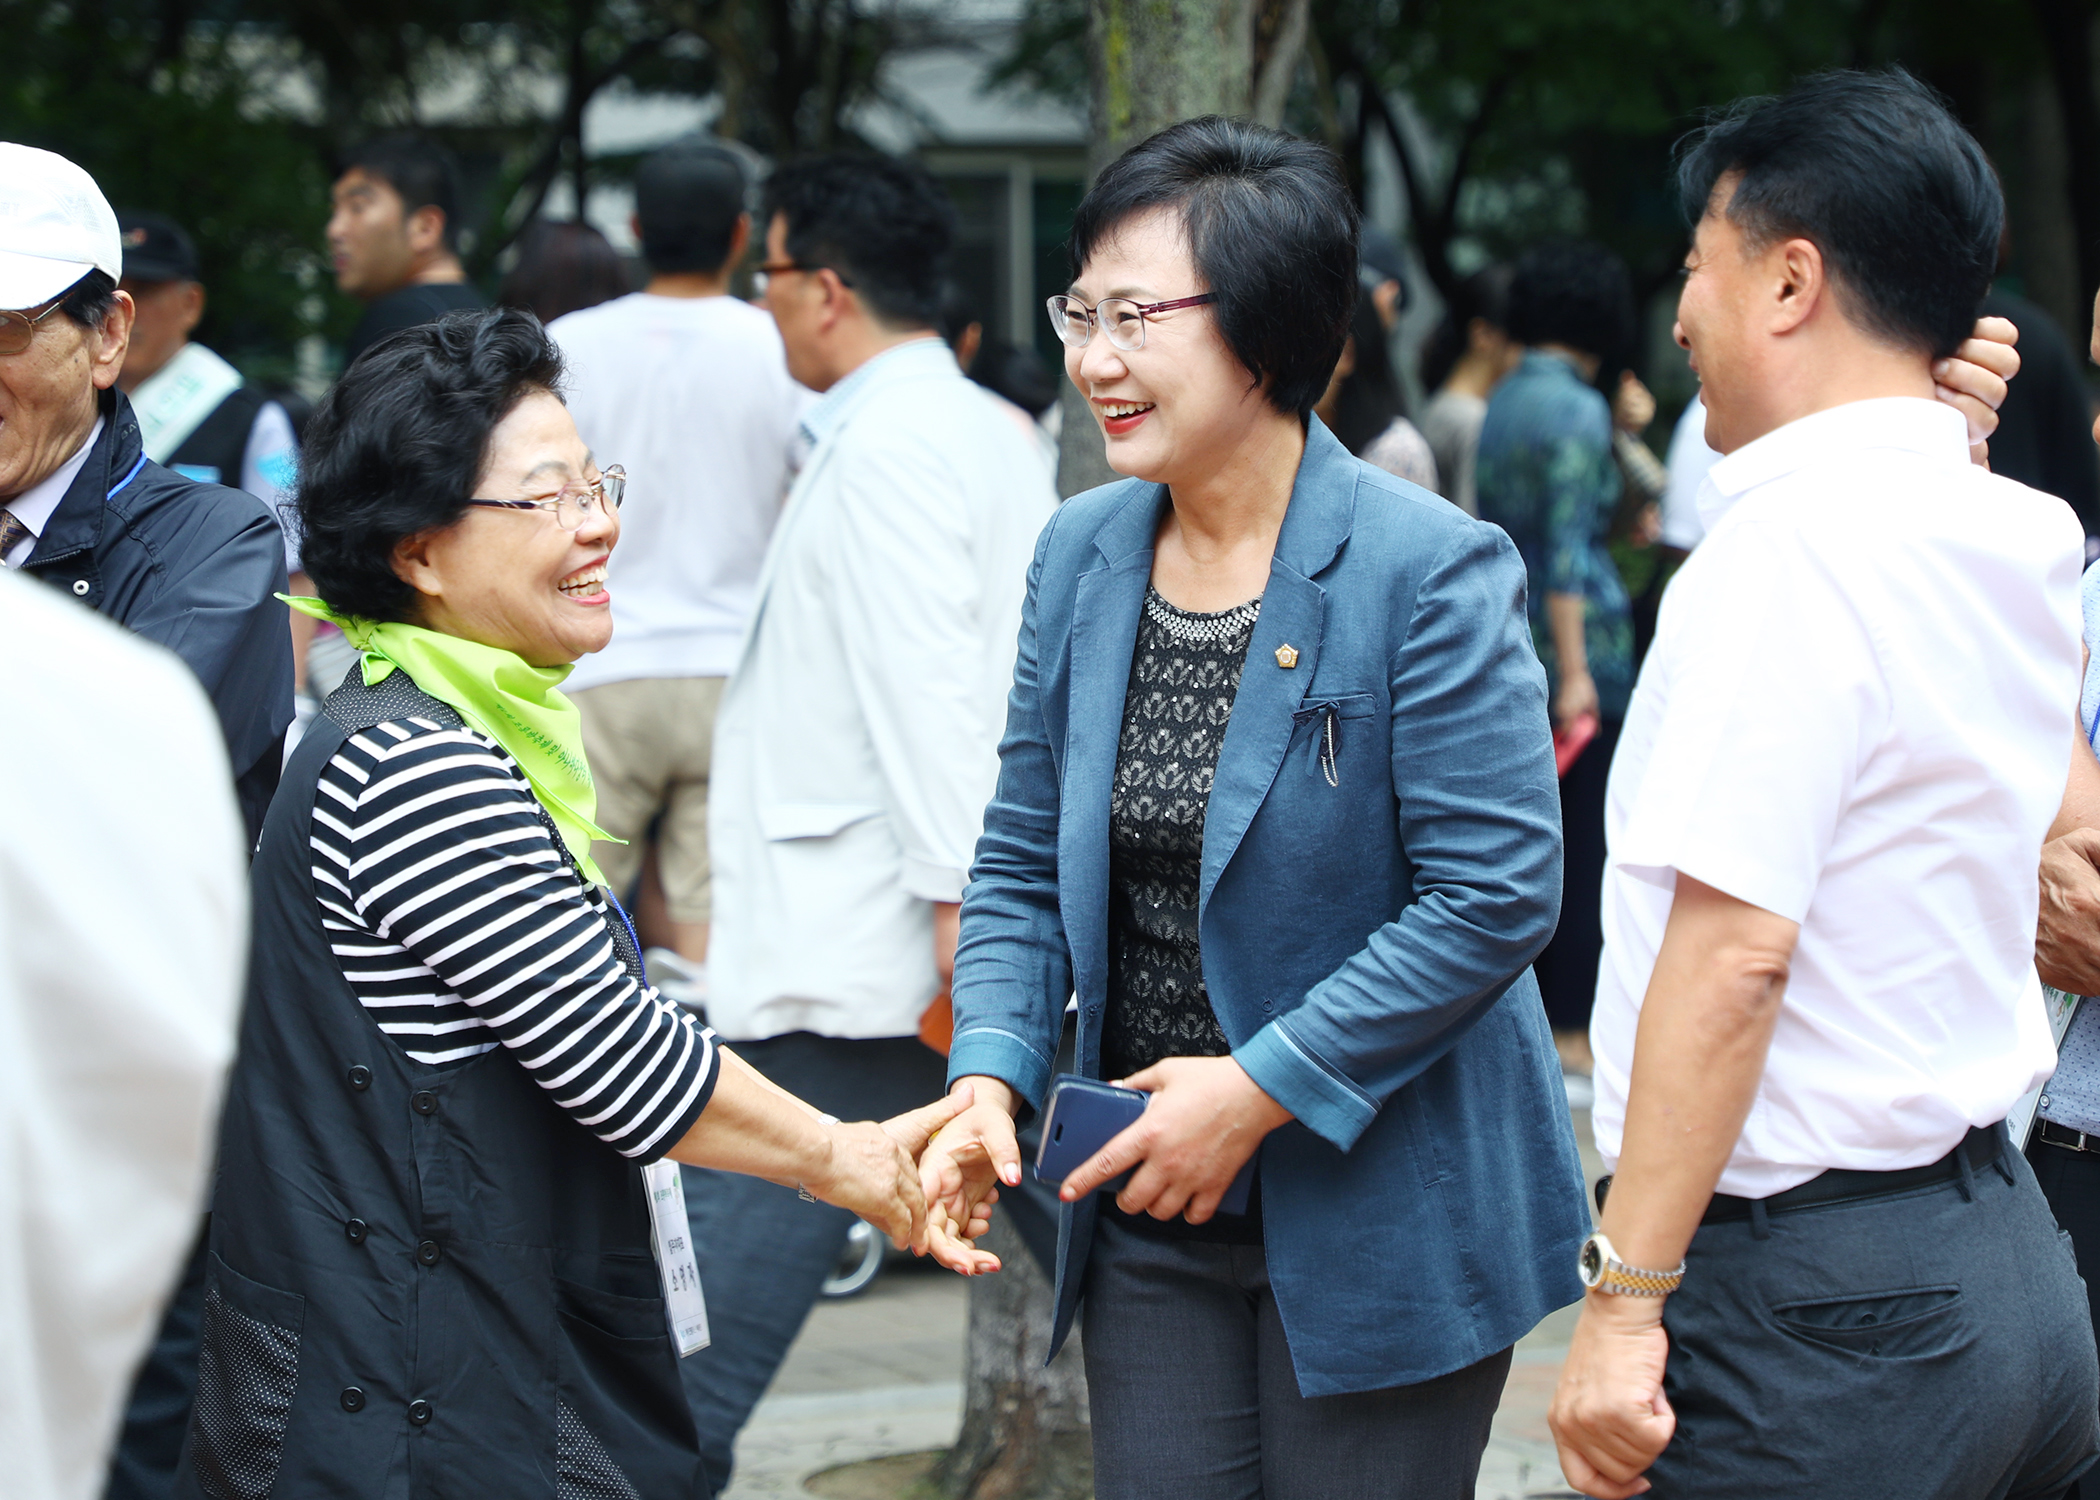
[
  {"x": 573, "y": 502},
  {"x": 762, "y": 277}
]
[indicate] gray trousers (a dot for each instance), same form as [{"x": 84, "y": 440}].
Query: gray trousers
[
  {"x": 1929, "y": 1345},
  {"x": 1192, "y": 1393}
]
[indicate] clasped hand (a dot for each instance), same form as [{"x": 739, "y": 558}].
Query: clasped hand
[
  {"x": 1205, "y": 1119},
  {"x": 872, "y": 1170}
]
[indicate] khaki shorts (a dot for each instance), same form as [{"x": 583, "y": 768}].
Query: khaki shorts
[{"x": 650, "y": 743}]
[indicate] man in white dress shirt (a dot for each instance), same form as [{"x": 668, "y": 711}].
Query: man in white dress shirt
[
  {"x": 687, "y": 387},
  {"x": 857, "y": 741},
  {"x": 1820, "y": 1268}
]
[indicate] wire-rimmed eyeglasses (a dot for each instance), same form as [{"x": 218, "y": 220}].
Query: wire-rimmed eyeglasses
[
  {"x": 18, "y": 329},
  {"x": 573, "y": 502},
  {"x": 1123, "y": 319}
]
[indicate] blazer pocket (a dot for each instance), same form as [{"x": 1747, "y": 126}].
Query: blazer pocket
[
  {"x": 811, "y": 820},
  {"x": 1345, "y": 705},
  {"x": 247, "y": 1373}
]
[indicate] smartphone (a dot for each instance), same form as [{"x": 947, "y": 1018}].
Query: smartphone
[{"x": 1081, "y": 1115}]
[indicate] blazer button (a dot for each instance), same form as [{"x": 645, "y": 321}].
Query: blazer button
[
  {"x": 360, "y": 1077},
  {"x": 419, "y": 1413},
  {"x": 353, "y": 1398},
  {"x": 428, "y": 1252},
  {"x": 424, "y": 1102},
  {"x": 357, "y": 1229}
]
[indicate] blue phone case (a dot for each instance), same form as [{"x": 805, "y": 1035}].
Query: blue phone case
[{"x": 1081, "y": 1115}]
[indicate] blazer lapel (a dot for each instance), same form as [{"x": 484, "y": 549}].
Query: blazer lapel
[
  {"x": 1107, "y": 602},
  {"x": 1293, "y": 616}
]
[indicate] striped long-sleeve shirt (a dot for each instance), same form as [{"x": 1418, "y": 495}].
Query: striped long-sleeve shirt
[{"x": 460, "y": 927}]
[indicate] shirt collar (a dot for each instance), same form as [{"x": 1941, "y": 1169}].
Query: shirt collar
[
  {"x": 1911, "y": 424},
  {"x": 35, "y": 505},
  {"x": 913, "y": 357}
]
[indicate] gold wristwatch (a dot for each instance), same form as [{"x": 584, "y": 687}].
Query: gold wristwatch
[{"x": 1603, "y": 1271}]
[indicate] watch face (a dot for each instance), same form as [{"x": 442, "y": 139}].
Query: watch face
[{"x": 1592, "y": 1265}]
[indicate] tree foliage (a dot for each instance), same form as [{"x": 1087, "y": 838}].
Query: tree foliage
[
  {"x": 1521, "y": 118},
  {"x": 227, "y": 114}
]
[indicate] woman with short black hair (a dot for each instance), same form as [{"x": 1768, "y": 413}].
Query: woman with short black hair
[
  {"x": 1277, "y": 799},
  {"x": 431, "y": 1264}
]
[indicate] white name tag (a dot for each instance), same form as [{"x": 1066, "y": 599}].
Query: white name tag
[{"x": 683, "y": 1300}]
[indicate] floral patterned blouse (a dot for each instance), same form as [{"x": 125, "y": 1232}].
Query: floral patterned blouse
[{"x": 1546, "y": 476}]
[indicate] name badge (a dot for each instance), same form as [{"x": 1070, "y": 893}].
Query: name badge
[{"x": 683, "y": 1301}]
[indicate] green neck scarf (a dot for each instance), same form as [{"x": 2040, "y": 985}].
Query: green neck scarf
[{"x": 518, "y": 706}]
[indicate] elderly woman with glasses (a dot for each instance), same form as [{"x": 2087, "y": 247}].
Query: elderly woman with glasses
[
  {"x": 1277, "y": 801},
  {"x": 438, "y": 1262}
]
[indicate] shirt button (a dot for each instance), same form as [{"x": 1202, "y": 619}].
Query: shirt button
[
  {"x": 80, "y": 588},
  {"x": 419, "y": 1413},
  {"x": 357, "y": 1229},
  {"x": 2043, "y": 1101},
  {"x": 428, "y": 1252},
  {"x": 424, "y": 1102},
  {"x": 360, "y": 1077},
  {"x": 353, "y": 1398}
]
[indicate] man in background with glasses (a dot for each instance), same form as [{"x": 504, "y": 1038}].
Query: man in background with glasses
[
  {"x": 857, "y": 742},
  {"x": 190, "y": 566}
]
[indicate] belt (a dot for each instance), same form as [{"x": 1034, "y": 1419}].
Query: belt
[
  {"x": 1845, "y": 1185},
  {"x": 2064, "y": 1136}
]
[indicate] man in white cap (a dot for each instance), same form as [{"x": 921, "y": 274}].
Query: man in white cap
[{"x": 193, "y": 567}]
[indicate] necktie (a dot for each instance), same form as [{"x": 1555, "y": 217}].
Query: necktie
[{"x": 11, "y": 531}]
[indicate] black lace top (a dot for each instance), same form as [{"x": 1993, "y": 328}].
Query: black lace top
[{"x": 1184, "y": 676}]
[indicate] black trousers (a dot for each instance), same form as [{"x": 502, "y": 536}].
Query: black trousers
[
  {"x": 763, "y": 1252},
  {"x": 1193, "y": 1396},
  {"x": 1929, "y": 1345},
  {"x": 1567, "y": 970},
  {"x": 2070, "y": 1180},
  {"x": 157, "y": 1413}
]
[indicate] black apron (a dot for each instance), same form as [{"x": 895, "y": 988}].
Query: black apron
[{"x": 423, "y": 1282}]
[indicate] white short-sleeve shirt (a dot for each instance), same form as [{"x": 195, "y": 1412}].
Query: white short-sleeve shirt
[{"x": 1857, "y": 714}]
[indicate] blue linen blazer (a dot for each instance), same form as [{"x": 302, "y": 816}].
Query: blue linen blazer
[{"x": 1366, "y": 946}]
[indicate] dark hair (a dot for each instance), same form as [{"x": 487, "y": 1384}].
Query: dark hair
[
  {"x": 1015, "y": 372},
  {"x": 687, "y": 199},
  {"x": 1877, "y": 173},
  {"x": 397, "y": 445},
  {"x": 1572, "y": 292},
  {"x": 1370, "y": 397},
  {"x": 416, "y": 167},
  {"x": 1483, "y": 295},
  {"x": 563, "y": 267},
  {"x": 1272, "y": 229},
  {"x": 89, "y": 300},
  {"x": 885, "y": 226}
]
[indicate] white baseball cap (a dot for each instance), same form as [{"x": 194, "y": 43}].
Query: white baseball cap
[{"x": 55, "y": 227}]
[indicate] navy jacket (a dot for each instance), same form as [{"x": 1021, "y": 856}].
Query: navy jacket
[
  {"x": 1366, "y": 946},
  {"x": 193, "y": 567}
]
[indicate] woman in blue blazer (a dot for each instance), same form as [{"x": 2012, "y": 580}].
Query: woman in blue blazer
[{"x": 1277, "y": 802}]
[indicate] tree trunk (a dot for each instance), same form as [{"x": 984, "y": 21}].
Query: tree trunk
[
  {"x": 1024, "y": 1433},
  {"x": 1155, "y": 62}
]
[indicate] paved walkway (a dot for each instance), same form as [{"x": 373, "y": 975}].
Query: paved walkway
[{"x": 882, "y": 1373}]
